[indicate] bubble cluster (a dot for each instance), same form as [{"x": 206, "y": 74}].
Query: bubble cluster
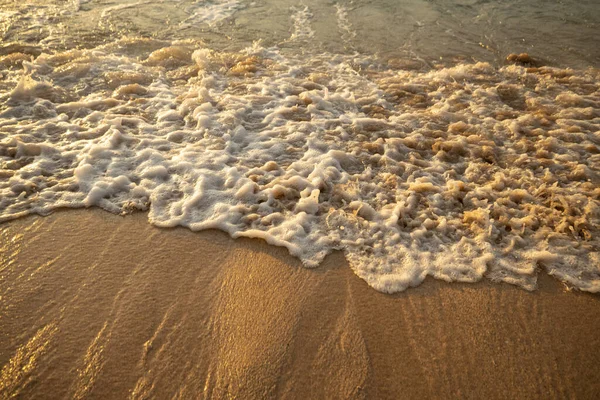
[{"x": 458, "y": 172}]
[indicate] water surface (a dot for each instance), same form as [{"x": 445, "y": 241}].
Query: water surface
[{"x": 395, "y": 132}]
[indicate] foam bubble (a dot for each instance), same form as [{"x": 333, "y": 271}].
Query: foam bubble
[
  {"x": 344, "y": 24},
  {"x": 211, "y": 12},
  {"x": 458, "y": 173},
  {"x": 301, "y": 17}
]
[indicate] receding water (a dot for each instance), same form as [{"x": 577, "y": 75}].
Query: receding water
[
  {"x": 562, "y": 33},
  {"x": 396, "y": 132}
]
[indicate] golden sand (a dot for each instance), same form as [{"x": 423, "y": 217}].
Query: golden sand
[{"x": 98, "y": 306}]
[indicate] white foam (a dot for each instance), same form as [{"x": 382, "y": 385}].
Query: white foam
[
  {"x": 458, "y": 173},
  {"x": 211, "y": 12},
  {"x": 343, "y": 22},
  {"x": 301, "y": 17}
]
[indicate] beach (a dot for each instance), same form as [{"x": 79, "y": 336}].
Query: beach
[
  {"x": 256, "y": 199},
  {"x": 94, "y": 305}
]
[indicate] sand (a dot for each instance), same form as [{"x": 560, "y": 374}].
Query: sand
[{"x": 94, "y": 305}]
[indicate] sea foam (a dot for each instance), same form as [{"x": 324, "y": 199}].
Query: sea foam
[{"x": 459, "y": 172}]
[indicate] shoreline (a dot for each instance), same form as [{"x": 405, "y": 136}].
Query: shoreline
[{"x": 96, "y": 305}]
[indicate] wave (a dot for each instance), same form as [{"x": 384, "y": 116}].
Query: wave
[{"x": 458, "y": 172}]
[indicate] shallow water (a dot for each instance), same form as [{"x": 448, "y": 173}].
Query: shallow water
[
  {"x": 95, "y": 306},
  {"x": 562, "y": 33},
  {"x": 398, "y": 134}
]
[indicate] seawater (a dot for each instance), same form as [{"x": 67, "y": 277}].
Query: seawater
[{"x": 396, "y": 133}]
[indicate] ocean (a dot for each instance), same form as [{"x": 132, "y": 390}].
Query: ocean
[{"x": 458, "y": 139}]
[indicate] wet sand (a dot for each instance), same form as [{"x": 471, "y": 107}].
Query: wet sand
[{"x": 94, "y": 305}]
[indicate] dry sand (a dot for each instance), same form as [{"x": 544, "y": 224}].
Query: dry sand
[{"x": 99, "y": 306}]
